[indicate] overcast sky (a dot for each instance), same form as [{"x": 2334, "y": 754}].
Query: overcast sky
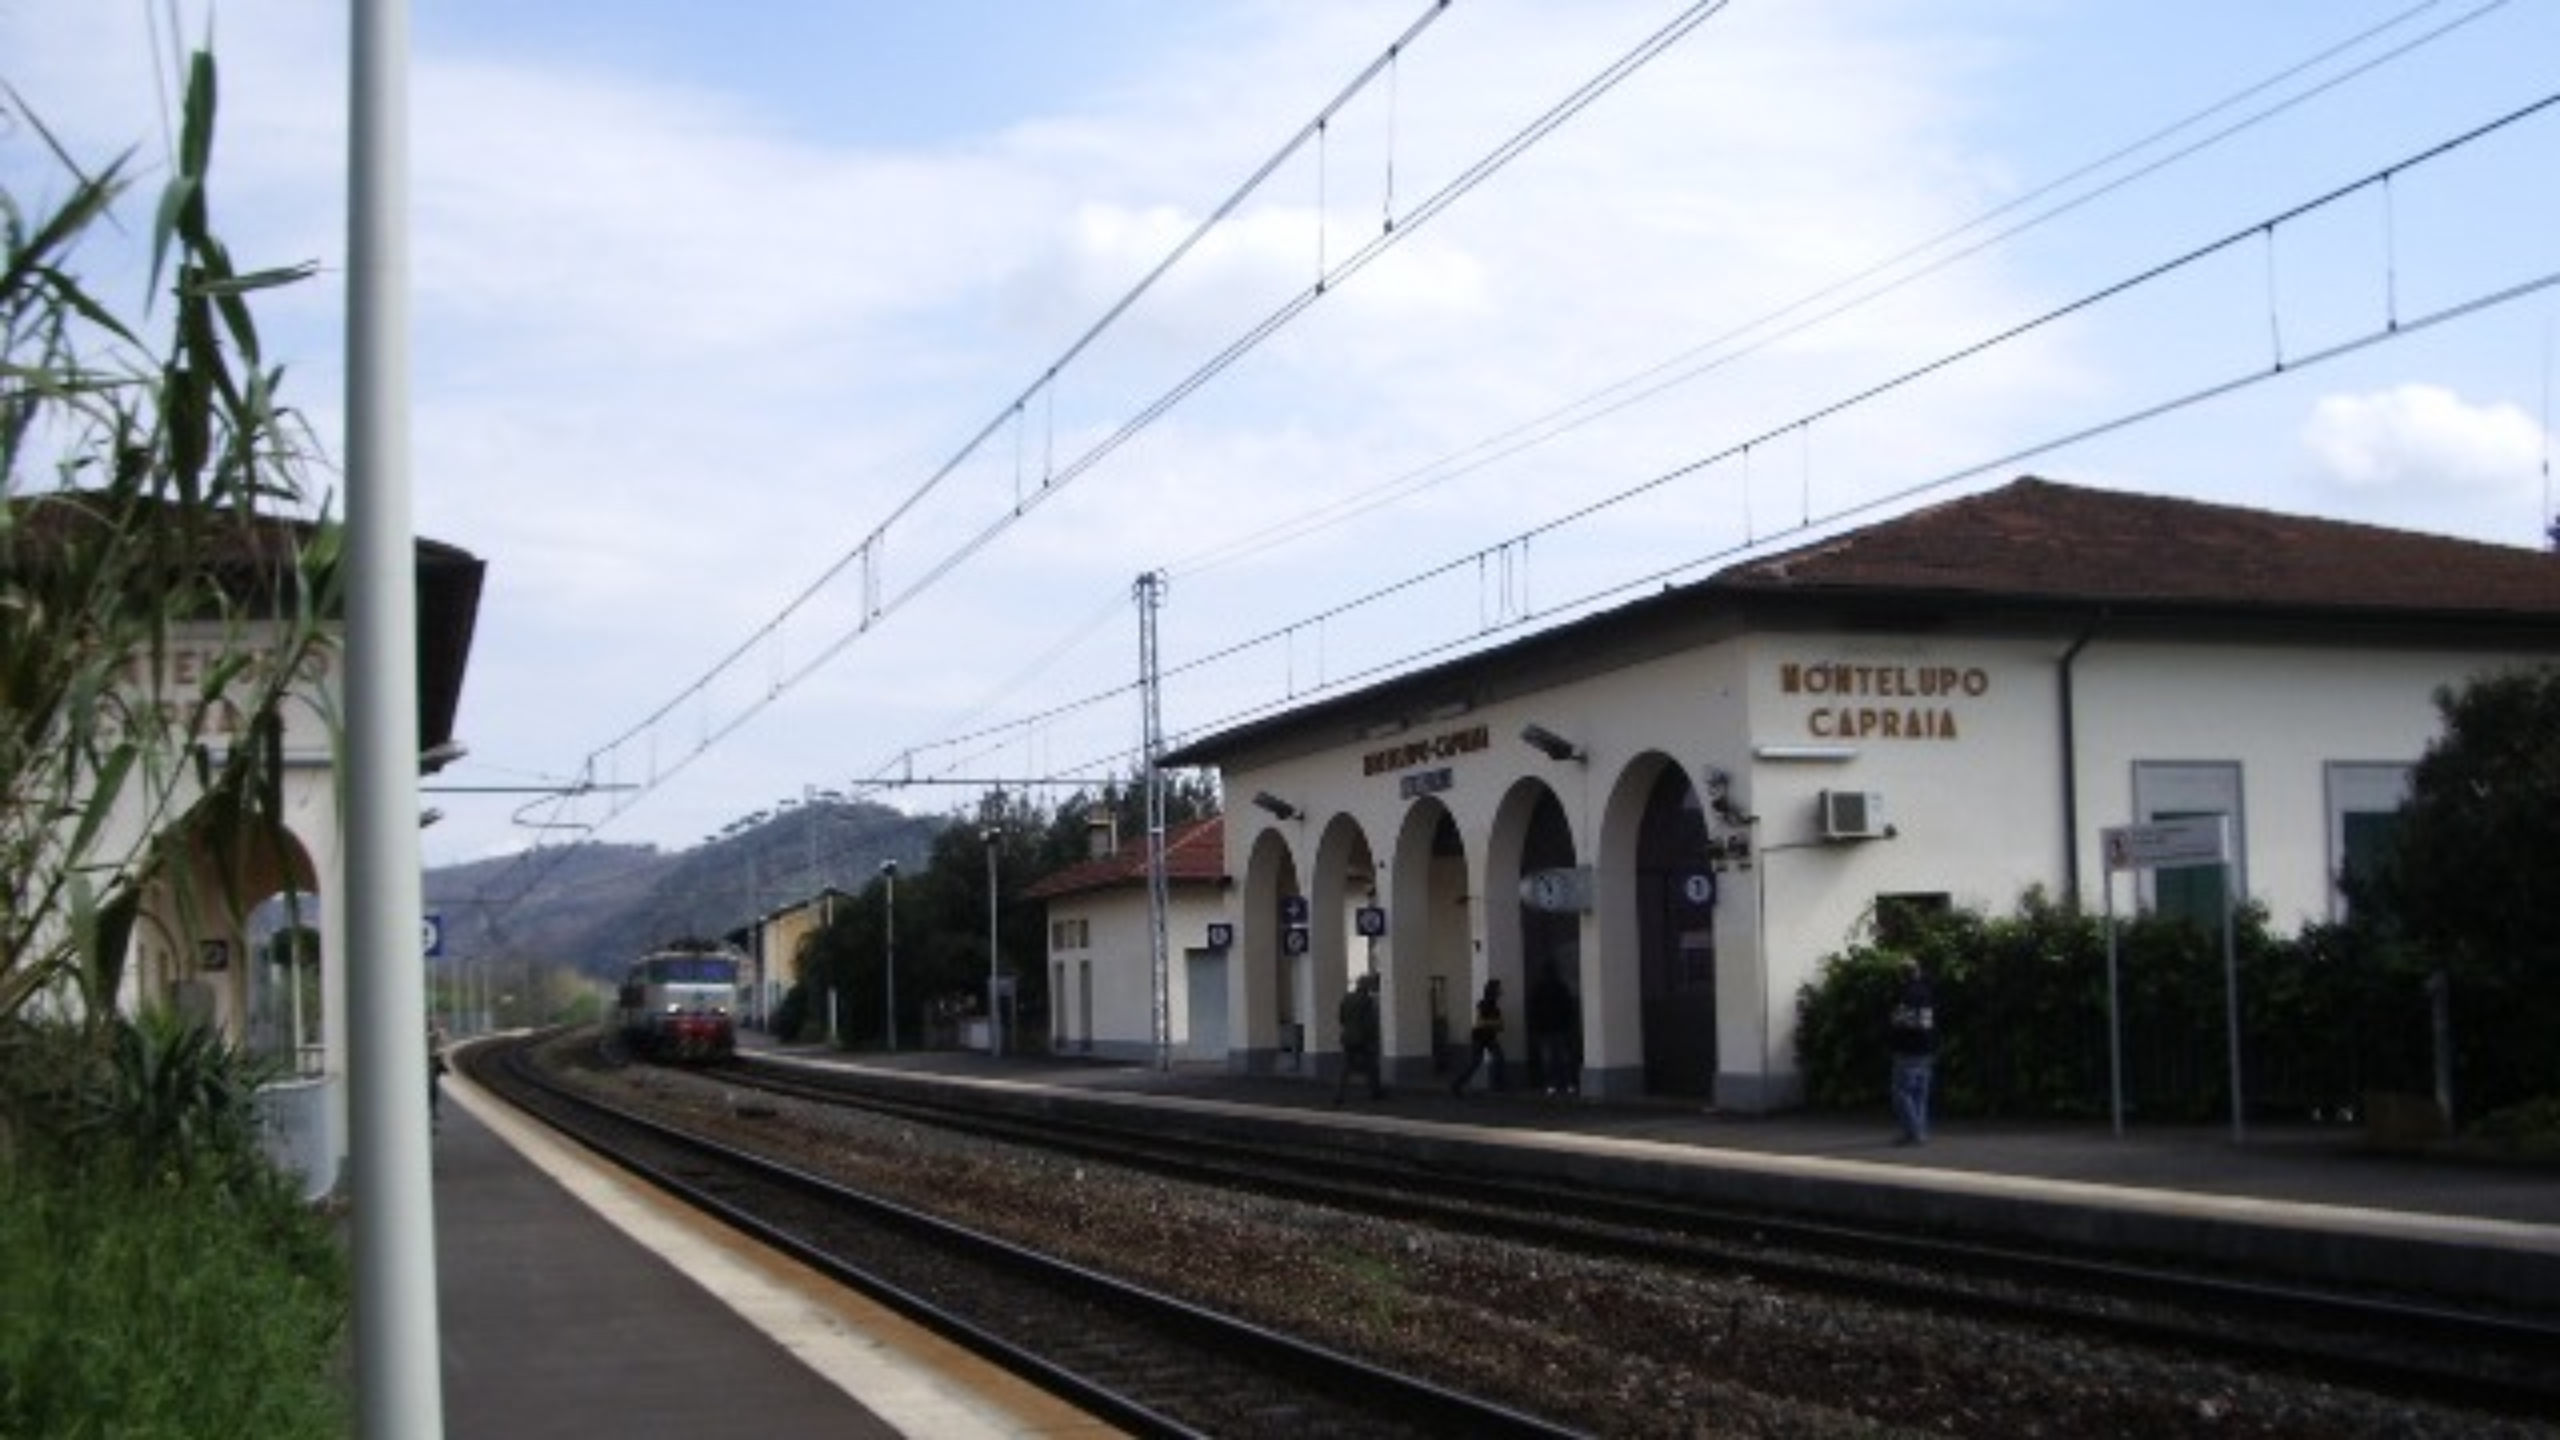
[{"x": 751, "y": 340}]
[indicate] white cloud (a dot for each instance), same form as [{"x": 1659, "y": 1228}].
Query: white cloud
[{"x": 2421, "y": 435}]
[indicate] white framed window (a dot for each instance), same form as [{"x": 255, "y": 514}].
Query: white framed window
[
  {"x": 2186, "y": 790},
  {"x": 2364, "y": 800}
]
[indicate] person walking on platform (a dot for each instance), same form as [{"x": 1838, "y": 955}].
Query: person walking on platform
[
  {"x": 1359, "y": 1016},
  {"x": 1912, "y": 1033},
  {"x": 1555, "y": 1022},
  {"x": 435, "y": 1074},
  {"x": 1484, "y": 1040}
]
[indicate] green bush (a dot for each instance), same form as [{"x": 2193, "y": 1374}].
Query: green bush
[
  {"x": 790, "y": 1014},
  {"x": 2023, "y": 1015},
  {"x": 2530, "y": 1131}
]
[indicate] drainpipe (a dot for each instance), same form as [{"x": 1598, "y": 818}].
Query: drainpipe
[{"x": 2071, "y": 763}]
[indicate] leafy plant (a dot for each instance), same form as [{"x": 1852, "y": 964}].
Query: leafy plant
[
  {"x": 138, "y": 504},
  {"x": 2023, "y": 1015}
]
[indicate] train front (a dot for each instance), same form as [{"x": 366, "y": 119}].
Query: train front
[{"x": 692, "y": 1004}]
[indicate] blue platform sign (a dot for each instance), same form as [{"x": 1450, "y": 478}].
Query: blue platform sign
[
  {"x": 431, "y": 934},
  {"x": 1293, "y": 909}
]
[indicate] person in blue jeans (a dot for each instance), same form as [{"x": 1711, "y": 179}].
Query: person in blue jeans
[{"x": 1913, "y": 1037}]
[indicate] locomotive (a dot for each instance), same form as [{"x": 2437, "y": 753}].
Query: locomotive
[{"x": 680, "y": 1005}]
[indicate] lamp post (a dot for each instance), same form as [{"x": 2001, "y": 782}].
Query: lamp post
[
  {"x": 995, "y": 997},
  {"x": 889, "y": 874}
]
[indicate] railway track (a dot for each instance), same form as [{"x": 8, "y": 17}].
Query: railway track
[
  {"x": 1145, "y": 1362},
  {"x": 2394, "y": 1346}
]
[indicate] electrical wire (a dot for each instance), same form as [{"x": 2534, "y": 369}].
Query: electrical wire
[
  {"x": 2394, "y": 327},
  {"x": 1889, "y": 275},
  {"x": 1801, "y": 424},
  {"x": 1625, "y": 65}
]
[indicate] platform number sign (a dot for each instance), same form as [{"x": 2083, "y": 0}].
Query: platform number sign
[
  {"x": 1371, "y": 920},
  {"x": 1222, "y": 934},
  {"x": 1293, "y": 925},
  {"x": 431, "y": 935}
]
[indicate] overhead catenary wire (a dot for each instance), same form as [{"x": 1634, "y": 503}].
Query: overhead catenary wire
[
  {"x": 1054, "y": 482},
  {"x": 1857, "y": 289},
  {"x": 2393, "y": 326},
  {"x": 1043, "y": 386},
  {"x": 1801, "y": 424}
]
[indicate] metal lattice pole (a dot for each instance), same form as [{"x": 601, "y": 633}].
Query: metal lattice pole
[{"x": 1150, "y": 599}]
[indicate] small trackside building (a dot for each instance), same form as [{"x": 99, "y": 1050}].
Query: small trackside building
[
  {"x": 1684, "y": 803},
  {"x": 1103, "y": 987}
]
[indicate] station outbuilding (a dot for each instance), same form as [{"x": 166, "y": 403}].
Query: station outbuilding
[
  {"x": 1104, "y": 989},
  {"x": 1684, "y": 803}
]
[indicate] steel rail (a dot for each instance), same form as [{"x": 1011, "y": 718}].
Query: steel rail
[
  {"x": 1146, "y": 1362},
  {"x": 2382, "y": 1344}
]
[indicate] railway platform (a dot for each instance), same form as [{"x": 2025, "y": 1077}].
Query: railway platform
[{"x": 575, "y": 1303}]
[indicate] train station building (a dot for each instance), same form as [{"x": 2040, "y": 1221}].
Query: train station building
[
  {"x": 1684, "y": 803},
  {"x": 256, "y": 945}
]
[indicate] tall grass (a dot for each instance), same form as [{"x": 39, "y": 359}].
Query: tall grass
[
  {"x": 184, "y": 1310},
  {"x": 157, "y": 1276}
]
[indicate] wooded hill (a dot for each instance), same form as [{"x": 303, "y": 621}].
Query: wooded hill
[{"x": 592, "y": 907}]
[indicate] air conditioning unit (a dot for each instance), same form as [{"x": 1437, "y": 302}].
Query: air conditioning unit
[{"x": 1852, "y": 814}]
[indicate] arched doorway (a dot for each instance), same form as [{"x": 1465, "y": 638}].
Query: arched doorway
[
  {"x": 1675, "y": 900},
  {"x": 1431, "y": 937},
  {"x": 1345, "y": 885},
  {"x": 1547, "y": 898},
  {"x": 201, "y": 945},
  {"x": 1243, "y": 1004}
]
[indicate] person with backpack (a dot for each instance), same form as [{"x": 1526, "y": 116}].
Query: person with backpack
[{"x": 1359, "y": 1016}]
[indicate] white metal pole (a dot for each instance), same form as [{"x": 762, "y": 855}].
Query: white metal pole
[
  {"x": 2231, "y": 985},
  {"x": 399, "y": 1362},
  {"x": 2115, "y": 1017}
]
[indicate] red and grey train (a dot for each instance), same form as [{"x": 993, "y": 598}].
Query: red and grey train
[{"x": 680, "y": 1005}]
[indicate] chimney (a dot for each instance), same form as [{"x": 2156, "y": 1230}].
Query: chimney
[{"x": 1101, "y": 835}]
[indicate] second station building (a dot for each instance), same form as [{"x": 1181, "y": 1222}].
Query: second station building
[{"x": 1684, "y": 803}]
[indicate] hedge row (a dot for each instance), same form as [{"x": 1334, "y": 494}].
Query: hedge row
[{"x": 2327, "y": 1018}]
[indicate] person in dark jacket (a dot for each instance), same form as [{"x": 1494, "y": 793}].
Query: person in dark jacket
[
  {"x": 1912, "y": 1033},
  {"x": 1359, "y": 1016},
  {"x": 1485, "y": 1040},
  {"x": 1555, "y": 1024}
]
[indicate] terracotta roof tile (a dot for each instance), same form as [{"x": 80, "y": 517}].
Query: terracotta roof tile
[
  {"x": 2031, "y": 546},
  {"x": 1195, "y": 853},
  {"x": 2037, "y": 540}
]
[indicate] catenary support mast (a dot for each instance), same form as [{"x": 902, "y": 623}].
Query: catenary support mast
[{"x": 1150, "y": 676}]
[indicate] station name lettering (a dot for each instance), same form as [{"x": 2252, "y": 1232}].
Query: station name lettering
[
  {"x": 1446, "y": 745},
  {"x": 201, "y": 687},
  {"x": 1842, "y": 680}
]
